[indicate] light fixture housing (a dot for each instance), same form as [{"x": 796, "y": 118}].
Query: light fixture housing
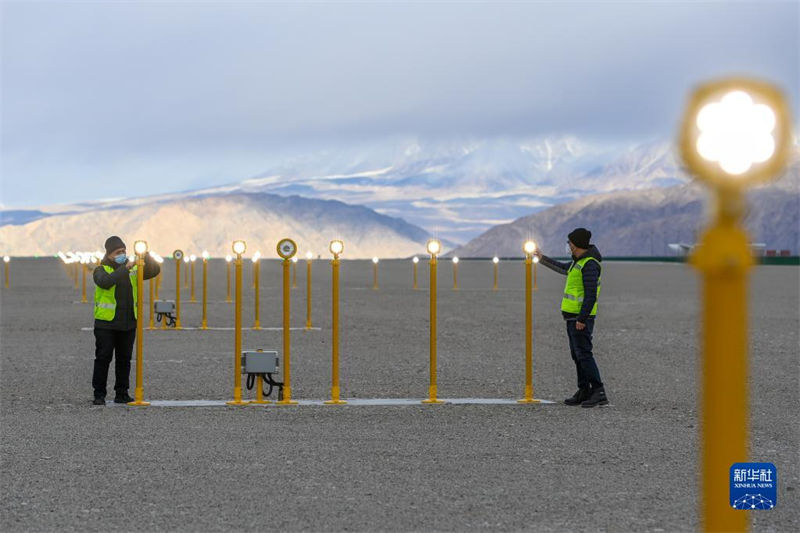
[
  {"x": 336, "y": 247},
  {"x": 415, "y": 259},
  {"x": 309, "y": 255},
  {"x": 239, "y": 247},
  {"x": 495, "y": 259},
  {"x": 140, "y": 247},
  {"x": 736, "y": 131},
  {"x": 433, "y": 247},
  {"x": 455, "y": 260},
  {"x": 375, "y": 260},
  {"x": 228, "y": 258}
]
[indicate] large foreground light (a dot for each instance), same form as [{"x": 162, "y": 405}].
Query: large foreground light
[
  {"x": 140, "y": 247},
  {"x": 433, "y": 247},
  {"x": 336, "y": 247},
  {"x": 529, "y": 247},
  {"x": 239, "y": 247},
  {"x": 736, "y": 131}
]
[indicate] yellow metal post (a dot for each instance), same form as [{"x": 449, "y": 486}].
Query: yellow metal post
[
  {"x": 191, "y": 296},
  {"x": 335, "y": 400},
  {"x": 308, "y": 294},
  {"x": 374, "y": 276},
  {"x": 432, "y": 388},
  {"x": 494, "y": 287},
  {"x": 724, "y": 259},
  {"x": 287, "y": 388},
  {"x": 528, "y": 334},
  {"x": 138, "y": 394},
  {"x": 83, "y": 283},
  {"x": 204, "y": 323},
  {"x": 256, "y": 274},
  {"x": 259, "y": 391},
  {"x": 228, "y": 270},
  {"x": 237, "y": 337},
  {"x": 415, "y": 275},
  {"x": 152, "y": 324},
  {"x": 177, "y": 294},
  {"x": 455, "y": 275}
]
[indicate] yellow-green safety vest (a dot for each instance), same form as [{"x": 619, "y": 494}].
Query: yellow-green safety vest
[
  {"x": 105, "y": 303},
  {"x": 573, "y": 291}
]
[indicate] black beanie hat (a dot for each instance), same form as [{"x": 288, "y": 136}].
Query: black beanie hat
[
  {"x": 114, "y": 243},
  {"x": 580, "y": 237}
]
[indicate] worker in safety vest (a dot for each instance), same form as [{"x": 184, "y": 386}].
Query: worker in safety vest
[
  {"x": 115, "y": 299},
  {"x": 579, "y": 308}
]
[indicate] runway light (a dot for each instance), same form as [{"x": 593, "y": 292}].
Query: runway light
[
  {"x": 535, "y": 258},
  {"x": 433, "y": 246},
  {"x": 336, "y": 248},
  {"x": 309, "y": 256},
  {"x": 529, "y": 247},
  {"x": 415, "y": 259},
  {"x": 140, "y": 247},
  {"x": 294, "y": 259},
  {"x": 256, "y": 256},
  {"x": 228, "y": 258},
  {"x": 192, "y": 258},
  {"x": 495, "y": 260},
  {"x": 375, "y": 260},
  {"x": 736, "y": 131},
  {"x": 186, "y": 259},
  {"x": 455, "y": 260},
  {"x": 239, "y": 247},
  {"x": 206, "y": 255}
]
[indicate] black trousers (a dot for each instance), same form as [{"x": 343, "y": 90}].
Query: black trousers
[
  {"x": 110, "y": 343},
  {"x": 580, "y": 347}
]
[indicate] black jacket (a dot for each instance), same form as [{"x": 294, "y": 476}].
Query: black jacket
[
  {"x": 124, "y": 319},
  {"x": 591, "y": 278}
]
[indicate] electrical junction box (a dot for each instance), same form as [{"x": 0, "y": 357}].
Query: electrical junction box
[
  {"x": 164, "y": 306},
  {"x": 259, "y": 362}
]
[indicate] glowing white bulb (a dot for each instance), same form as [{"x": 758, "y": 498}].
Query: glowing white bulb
[
  {"x": 529, "y": 247},
  {"x": 375, "y": 260},
  {"x": 455, "y": 260},
  {"x": 415, "y": 259},
  {"x": 336, "y": 247},
  {"x": 206, "y": 255},
  {"x": 495, "y": 260},
  {"x": 140, "y": 247},
  {"x": 433, "y": 246},
  {"x": 228, "y": 258},
  {"x": 192, "y": 258},
  {"x": 239, "y": 247},
  {"x": 309, "y": 255},
  {"x": 735, "y": 132}
]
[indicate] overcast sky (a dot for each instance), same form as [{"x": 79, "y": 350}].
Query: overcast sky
[{"x": 103, "y": 99}]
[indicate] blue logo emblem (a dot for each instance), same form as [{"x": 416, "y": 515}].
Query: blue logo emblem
[{"x": 754, "y": 486}]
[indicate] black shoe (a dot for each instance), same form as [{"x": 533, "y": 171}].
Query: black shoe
[
  {"x": 123, "y": 398},
  {"x": 598, "y": 397},
  {"x": 98, "y": 401},
  {"x": 581, "y": 396}
]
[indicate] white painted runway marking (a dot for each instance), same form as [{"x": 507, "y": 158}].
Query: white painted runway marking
[{"x": 357, "y": 402}]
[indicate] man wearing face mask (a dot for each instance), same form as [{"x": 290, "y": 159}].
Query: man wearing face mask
[
  {"x": 579, "y": 308},
  {"x": 115, "y": 308}
]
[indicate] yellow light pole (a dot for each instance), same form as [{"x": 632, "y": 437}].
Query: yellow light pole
[
  {"x": 286, "y": 250},
  {"x": 336, "y": 248},
  {"x": 375, "y": 273},
  {"x": 415, "y": 262},
  {"x": 178, "y": 255},
  {"x": 83, "y": 280},
  {"x": 529, "y": 247},
  {"x": 434, "y": 247},
  {"x": 294, "y": 272},
  {"x": 204, "y": 323},
  {"x": 256, "y": 287},
  {"x": 735, "y": 133},
  {"x": 6, "y": 260},
  {"x": 192, "y": 259},
  {"x": 455, "y": 273},
  {"x": 228, "y": 260},
  {"x": 309, "y": 256},
  {"x": 140, "y": 247},
  {"x": 495, "y": 261},
  {"x": 239, "y": 248}
]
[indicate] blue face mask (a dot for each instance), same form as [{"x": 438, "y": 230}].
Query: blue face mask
[{"x": 121, "y": 259}]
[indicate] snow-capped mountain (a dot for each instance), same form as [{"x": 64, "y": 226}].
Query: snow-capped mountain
[
  {"x": 453, "y": 189},
  {"x": 644, "y": 222},
  {"x": 212, "y": 222}
]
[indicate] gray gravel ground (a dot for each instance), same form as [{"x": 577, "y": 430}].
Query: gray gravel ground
[{"x": 631, "y": 467}]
